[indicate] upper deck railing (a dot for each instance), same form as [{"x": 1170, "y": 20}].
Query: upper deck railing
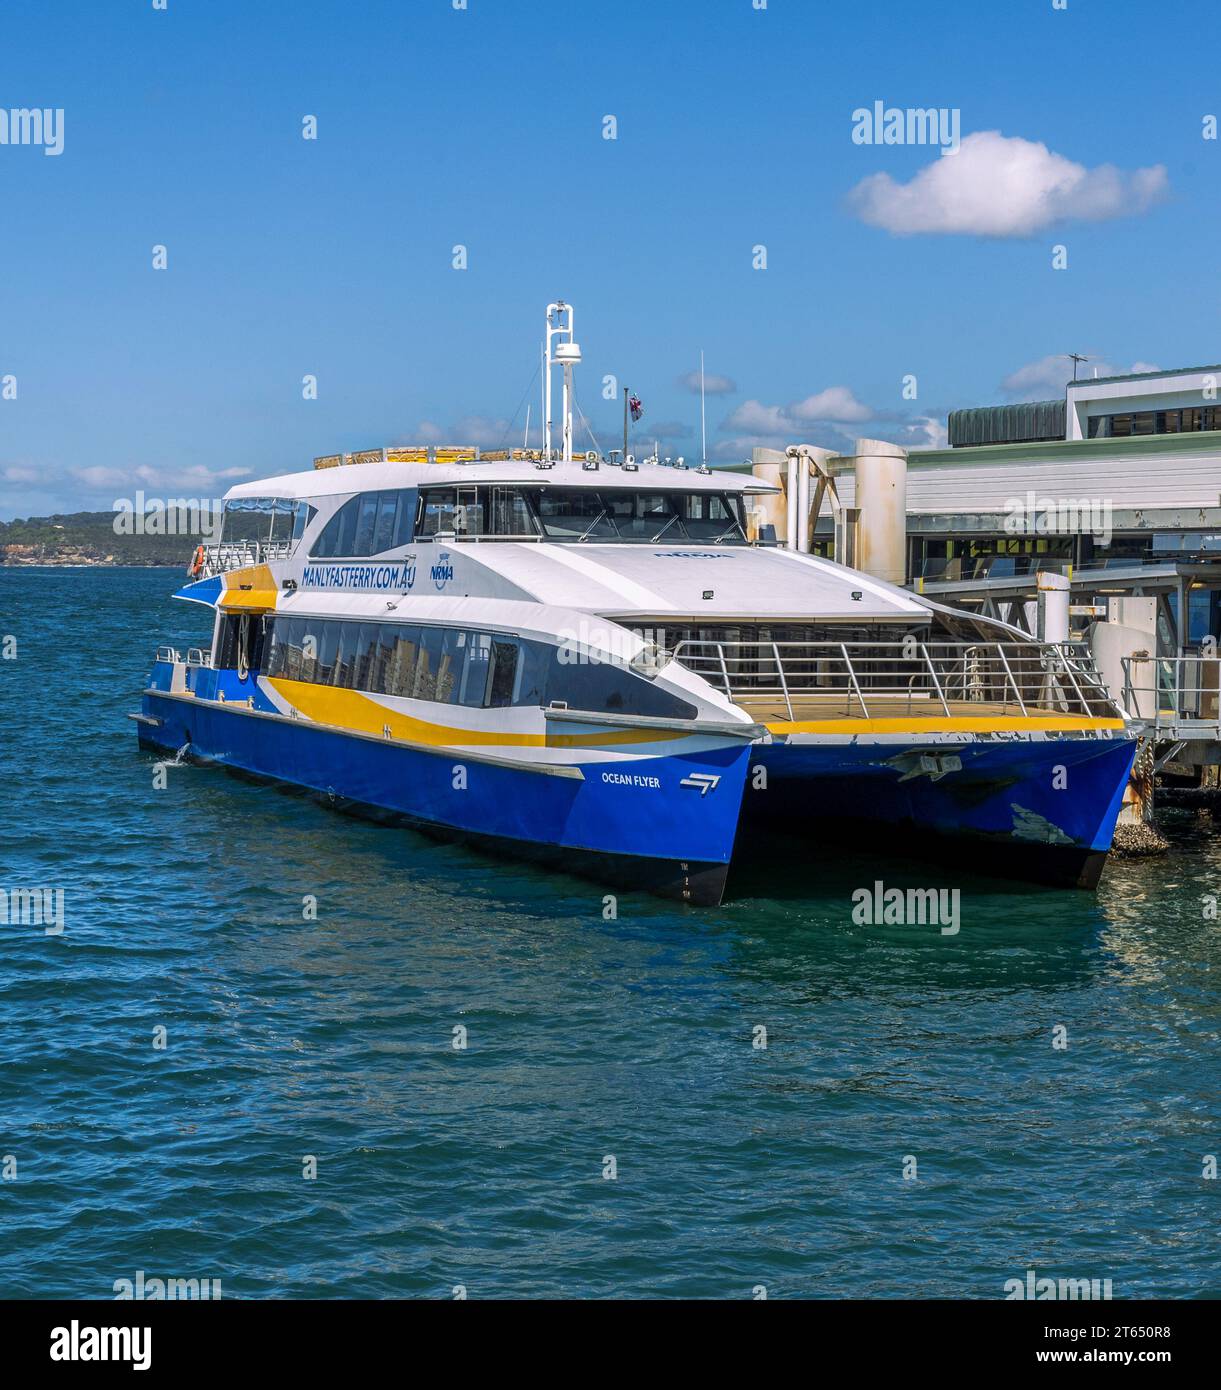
[
  {"x": 909, "y": 677},
  {"x": 235, "y": 555}
]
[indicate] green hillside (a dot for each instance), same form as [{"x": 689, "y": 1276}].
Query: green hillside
[{"x": 87, "y": 538}]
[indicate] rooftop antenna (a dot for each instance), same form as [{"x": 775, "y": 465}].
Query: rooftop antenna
[
  {"x": 1077, "y": 359},
  {"x": 567, "y": 354},
  {"x": 703, "y": 431}
]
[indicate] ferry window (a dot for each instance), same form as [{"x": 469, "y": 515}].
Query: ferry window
[
  {"x": 453, "y": 659},
  {"x": 504, "y": 673},
  {"x": 277, "y": 648},
  {"x": 380, "y": 658},
  {"x": 364, "y": 673},
  {"x": 383, "y": 529},
  {"x": 337, "y": 534},
  {"x": 468, "y": 513},
  {"x": 303, "y": 514},
  {"x": 369, "y": 524},
  {"x": 366, "y": 520},
  {"x": 404, "y": 524},
  {"x": 475, "y": 671},
  {"x": 280, "y": 530},
  {"x": 311, "y": 645},
  {"x": 532, "y": 675},
  {"x": 247, "y": 519},
  {"x": 648, "y": 516},
  {"x": 328, "y": 640},
  {"x": 345, "y": 657},
  {"x": 401, "y": 643},
  {"x": 428, "y": 660},
  {"x": 437, "y": 510},
  {"x": 712, "y": 516},
  {"x": 511, "y": 514},
  {"x": 575, "y": 514},
  {"x": 611, "y": 689}
]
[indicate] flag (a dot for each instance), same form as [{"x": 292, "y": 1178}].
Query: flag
[{"x": 635, "y": 407}]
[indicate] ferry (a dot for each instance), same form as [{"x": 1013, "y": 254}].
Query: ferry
[{"x": 613, "y": 666}]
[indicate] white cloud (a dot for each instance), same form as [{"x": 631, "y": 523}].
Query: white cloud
[
  {"x": 836, "y": 403},
  {"x": 19, "y": 476},
  {"x": 925, "y": 432},
  {"x": 753, "y": 417},
  {"x": 195, "y": 479},
  {"x": 714, "y": 384},
  {"x": 834, "y": 406},
  {"x": 1054, "y": 372},
  {"x": 1004, "y": 186}
]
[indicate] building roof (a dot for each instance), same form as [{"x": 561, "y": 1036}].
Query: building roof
[
  {"x": 1143, "y": 376},
  {"x": 1026, "y": 422}
]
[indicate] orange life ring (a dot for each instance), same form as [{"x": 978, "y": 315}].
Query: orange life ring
[{"x": 197, "y": 564}]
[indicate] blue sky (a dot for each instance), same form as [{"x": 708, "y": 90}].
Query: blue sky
[{"x": 484, "y": 127}]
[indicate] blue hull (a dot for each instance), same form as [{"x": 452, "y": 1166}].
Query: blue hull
[
  {"x": 1034, "y": 810},
  {"x": 1028, "y": 809},
  {"x": 630, "y": 821}
]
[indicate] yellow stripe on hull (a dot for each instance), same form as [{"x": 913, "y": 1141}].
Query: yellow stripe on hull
[
  {"x": 350, "y": 709},
  {"x": 962, "y": 724},
  {"x": 259, "y": 591}
]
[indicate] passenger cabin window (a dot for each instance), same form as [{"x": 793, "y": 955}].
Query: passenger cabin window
[
  {"x": 456, "y": 666},
  {"x": 368, "y": 524}
]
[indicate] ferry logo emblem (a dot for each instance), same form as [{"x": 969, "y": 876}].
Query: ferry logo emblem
[
  {"x": 705, "y": 781},
  {"x": 442, "y": 572}
]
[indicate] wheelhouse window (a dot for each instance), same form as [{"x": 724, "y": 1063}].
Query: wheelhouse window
[
  {"x": 583, "y": 514},
  {"x": 369, "y": 524},
  {"x": 574, "y": 514}
]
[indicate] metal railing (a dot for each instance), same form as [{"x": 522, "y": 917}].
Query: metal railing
[
  {"x": 912, "y": 677},
  {"x": 236, "y": 555},
  {"x": 1174, "y": 696},
  {"x": 196, "y": 656}
]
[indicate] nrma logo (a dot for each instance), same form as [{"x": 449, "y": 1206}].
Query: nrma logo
[{"x": 443, "y": 571}]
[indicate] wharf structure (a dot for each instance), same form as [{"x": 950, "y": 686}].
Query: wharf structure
[{"x": 1092, "y": 518}]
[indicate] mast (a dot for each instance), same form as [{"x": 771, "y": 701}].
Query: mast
[
  {"x": 703, "y": 431},
  {"x": 567, "y": 353}
]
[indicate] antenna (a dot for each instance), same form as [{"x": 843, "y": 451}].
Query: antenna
[
  {"x": 1077, "y": 359},
  {"x": 703, "y": 431}
]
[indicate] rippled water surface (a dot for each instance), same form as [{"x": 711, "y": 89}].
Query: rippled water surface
[{"x": 737, "y": 1165}]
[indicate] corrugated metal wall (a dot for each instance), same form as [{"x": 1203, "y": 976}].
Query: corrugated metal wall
[{"x": 1024, "y": 423}]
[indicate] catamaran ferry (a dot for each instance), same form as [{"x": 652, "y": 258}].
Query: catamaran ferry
[{"x": 611, "y": 664}]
